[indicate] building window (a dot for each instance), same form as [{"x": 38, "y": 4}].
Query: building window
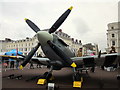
[
  {"x": 112, "y": 27},
  {"x": 25, "y": 49},
  {"x": 21, "y": 49},
  {"x": 28, "y": 49},
  {"x": 113, "y": 35},
  {"x": 113, "y": 42}
]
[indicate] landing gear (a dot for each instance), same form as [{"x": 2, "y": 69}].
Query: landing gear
[
  {"x": 47, "y": 77},
  {"x": 77, "y": 79}
]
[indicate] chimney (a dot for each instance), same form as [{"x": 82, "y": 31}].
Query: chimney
[
  {"x": 79, "y": 41},
  {"x": 73, "y": 40},
  {"x": 8, "y": 39},
  {"x": 76, "y": 41}
]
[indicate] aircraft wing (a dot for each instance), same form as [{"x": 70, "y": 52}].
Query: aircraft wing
[
  {"x": 104, "y": 60},
  {"x": 6, "y": 57},
  {"x": 38, "y": 60}
]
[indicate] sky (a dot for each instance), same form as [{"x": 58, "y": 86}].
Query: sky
[{"x": 87, "y": 21}]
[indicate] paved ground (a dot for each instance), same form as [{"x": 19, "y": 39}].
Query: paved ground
[{"x": 63, "y": 78}]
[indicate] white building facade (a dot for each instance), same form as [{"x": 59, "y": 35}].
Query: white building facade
[
  {"x": 74, "y": 44},
  {"x": 25, "y": 45},
  {"x": 90, "y": 49},
  {"x": 113, "y": 36}
]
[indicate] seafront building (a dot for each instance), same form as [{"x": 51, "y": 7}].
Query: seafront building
[
  {"x": 113, "y": 36},
  {"x": 25, "y": 45}
]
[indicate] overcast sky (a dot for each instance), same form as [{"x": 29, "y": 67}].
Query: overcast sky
[{"x": 87, "y": 21}]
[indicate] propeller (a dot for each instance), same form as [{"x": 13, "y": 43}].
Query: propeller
[
  {"x": 60, "y": 53},
  {"x": 32, "y": 25},
  {"x": 60, "y": 20},
  {"x": 54, "y": 27},
  {"x": 20, "y": 55},
  {"x": 29, "y": 56}
]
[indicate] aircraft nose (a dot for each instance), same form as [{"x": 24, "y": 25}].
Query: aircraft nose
[{"x": 43, "y": 37}]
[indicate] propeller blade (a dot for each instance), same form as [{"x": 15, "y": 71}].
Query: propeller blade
[
  {"x": 32, "y": 25},
  {"x": 29, "y": 56},
  {"x": 20, "y": 55},
  {"x": 61, "y": 19},
  {"x": 60, "y": 53}
]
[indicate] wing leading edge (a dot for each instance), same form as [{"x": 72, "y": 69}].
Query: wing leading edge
[
  {"x": 38, "y": 60},
  {"x": 105, "y": 59}
]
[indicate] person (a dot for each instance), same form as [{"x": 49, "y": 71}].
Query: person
[
  {"x": 6, "y": 61},
  {"x": 39, "y": 65},
  {"x": 31, "y": 65},
  {"x": 39, "y": 55},
  {"x": 17, "y": 64},
  {"x": 12, "y": 62},
  {"x": 112, "y": 50}
]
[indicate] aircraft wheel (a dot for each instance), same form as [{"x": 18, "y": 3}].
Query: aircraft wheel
[{"x": 76, "y": 77}]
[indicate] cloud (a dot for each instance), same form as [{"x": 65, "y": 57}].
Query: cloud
[
  {"x": 87, "y": 21},
  {"x": 80, "y": 25}
]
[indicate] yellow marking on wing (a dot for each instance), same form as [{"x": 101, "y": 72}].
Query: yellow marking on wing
[
  {"x": 8, "y": 56},
  {"x": 73, "y": 65}
]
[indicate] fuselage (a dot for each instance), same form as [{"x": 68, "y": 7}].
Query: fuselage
[{"x": 56, "y": 60}]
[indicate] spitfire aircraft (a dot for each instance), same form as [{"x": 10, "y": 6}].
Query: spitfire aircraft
[{"x": 59, "y": 55}]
